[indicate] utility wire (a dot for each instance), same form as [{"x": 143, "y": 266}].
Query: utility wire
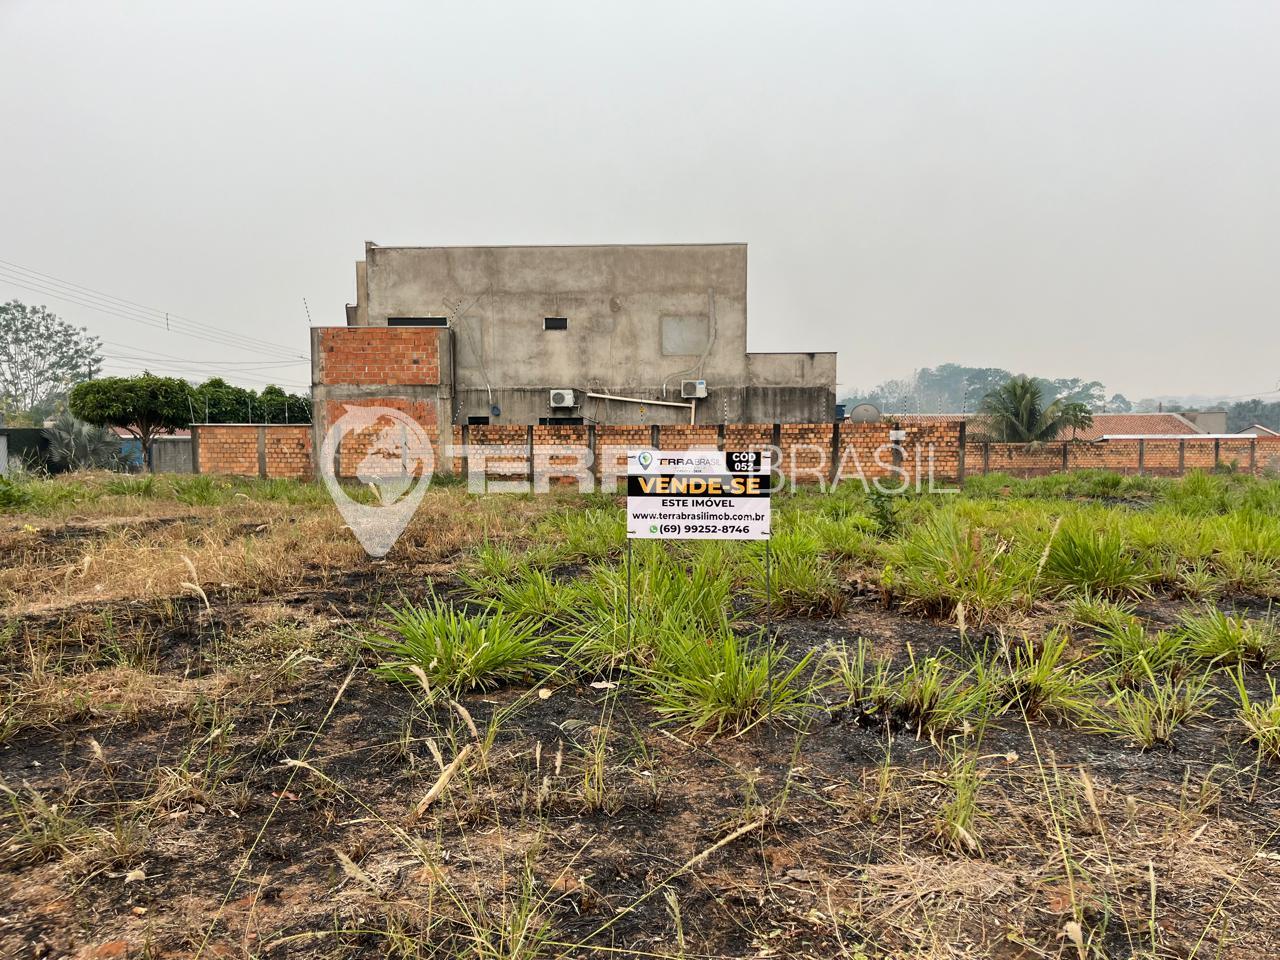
[
  {"x": 126, "y": 309},
  {"x": 133, "y": 306}
]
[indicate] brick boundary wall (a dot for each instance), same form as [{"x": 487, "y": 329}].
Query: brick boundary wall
[
  {"x": 811, "y": 453},
  {"x": 253, "y": 450},
  {"x": 1154, "y": 456}
]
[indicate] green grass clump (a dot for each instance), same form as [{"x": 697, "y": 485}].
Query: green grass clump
[
  {"x": 124, "y": 485},
  {"x": 1148, "y": 717},
  {"x": 865, "y": 678},
  {"x": 576, "y": 536},
  {"x": 1213, "y": 635},
  {"x": 201, "y": 490},
  {"x": 1260, "y": 719},
  {"x": 1134, "y": 653},
  {"x": 1084, "y": 558},
  {"x": 945, "y": 563},
  {"x": 670, "y": 594},
  {"x": 801, "y": 582},
  {"x": 1041, "y": 683},
  {"x": 721, "y": 681},
  {"x": 455, "y": 651},
  {"x": 934, "y": 698},
  {"x": 14, "y": 495},
  {"x": 531, "y": 596},
  {"x": 959, "y": 816}
]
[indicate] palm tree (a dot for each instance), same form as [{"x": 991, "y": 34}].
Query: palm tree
[{"x": 1016, "y": 413}]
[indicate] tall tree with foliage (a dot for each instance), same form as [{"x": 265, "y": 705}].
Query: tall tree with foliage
[
  {"x": 145, "y": 405},
  {"x": 216, "y": 401},
  {"x": 1077, "y": 416},
  {"x": 41, "y": 358},
  {"x": 1016, "y": 413}
]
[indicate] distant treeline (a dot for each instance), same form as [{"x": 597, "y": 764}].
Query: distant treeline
[{"x": 954, "y": 388}]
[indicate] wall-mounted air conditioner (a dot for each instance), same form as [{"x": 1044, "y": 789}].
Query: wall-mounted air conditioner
[
  {"x": 693, "y": 389},
  {"x": 562, "y": 398}
]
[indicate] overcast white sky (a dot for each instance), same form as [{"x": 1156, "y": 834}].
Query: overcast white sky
[{"x": 1064, "y": 188}]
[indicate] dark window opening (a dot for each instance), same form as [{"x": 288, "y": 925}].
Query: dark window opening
[
  {"x": 477, "y": 421},
  {"x": 555, "y": 323},
  {"x": 560, "y": 421},
  {"x": 417, "y": 321}
]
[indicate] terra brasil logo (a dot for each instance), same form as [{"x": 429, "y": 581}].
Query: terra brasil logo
[{"x": 393, "y": 456}]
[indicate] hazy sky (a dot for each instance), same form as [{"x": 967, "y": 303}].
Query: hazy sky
[{"x": 1065, "y": 188}]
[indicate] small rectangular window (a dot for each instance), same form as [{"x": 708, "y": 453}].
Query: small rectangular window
[
  {"x": 477, "y": 421},
  {"x": 417, "y": 321},
  {"x": 555, "y": 323}
]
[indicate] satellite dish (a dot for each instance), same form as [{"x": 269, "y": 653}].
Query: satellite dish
[{"x": 865, "y": 413}]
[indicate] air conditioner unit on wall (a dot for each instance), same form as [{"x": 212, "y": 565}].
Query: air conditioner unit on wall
[
  {"x": 693, "y": 389},
  {"x": 562, "y": 398}
]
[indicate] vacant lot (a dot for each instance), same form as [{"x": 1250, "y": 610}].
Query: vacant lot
[{"x": 1034, "y": 720}]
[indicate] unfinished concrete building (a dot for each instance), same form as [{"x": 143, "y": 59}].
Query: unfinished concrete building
[{"x": 592, "y": 334}]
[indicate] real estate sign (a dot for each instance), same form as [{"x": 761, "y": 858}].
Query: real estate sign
[{"x": 698, "y": 495}]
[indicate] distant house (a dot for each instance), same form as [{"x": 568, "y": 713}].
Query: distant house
[
  {"x": 1208, "y": 421},
  {"x": 1259, "y": 430},
  {"x": 131, "y": 446}
]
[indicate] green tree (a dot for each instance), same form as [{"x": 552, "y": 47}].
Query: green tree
[
  {"x": 1077, "y": 416},
  {"x": 144, "y": 405},
  {"x": 279, "y": 407},
  {"x": 41, "y": 358},
  {"x": 1016, "y": 412},
  {"x": 216, "y": 401}
]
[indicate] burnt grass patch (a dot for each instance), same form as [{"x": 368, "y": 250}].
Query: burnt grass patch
[{"x": 229, "y": 778}]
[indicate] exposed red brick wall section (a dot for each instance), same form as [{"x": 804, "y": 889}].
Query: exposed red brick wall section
[
  {"x": 288, "y": 452},
  {"x": 355, "y": 446},
  {"x": 232, "y": 450},
  {"x": 379, "y": 356}
]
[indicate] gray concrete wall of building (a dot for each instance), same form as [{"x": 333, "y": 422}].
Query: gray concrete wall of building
[
  {"x": 639, "y": 320},
  {"x": 172, "y": 455}
]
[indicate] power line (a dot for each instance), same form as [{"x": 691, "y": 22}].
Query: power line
[
  {"x": 117, "y": 367},
  {"x": 156, "y": 315},
  {"x": 223, "y": 342},
  {"x": 81, "y": 295}
]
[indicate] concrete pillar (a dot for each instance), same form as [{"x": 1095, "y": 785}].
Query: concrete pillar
[
  {"x": 835, "y": 451},
  {"x": 262, "y": 452},
  {"x": 528, "y": 442},
  {"x": 1142, "y": 457}
]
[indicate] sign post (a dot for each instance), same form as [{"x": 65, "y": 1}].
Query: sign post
[{"x": 702, "y": 495}]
